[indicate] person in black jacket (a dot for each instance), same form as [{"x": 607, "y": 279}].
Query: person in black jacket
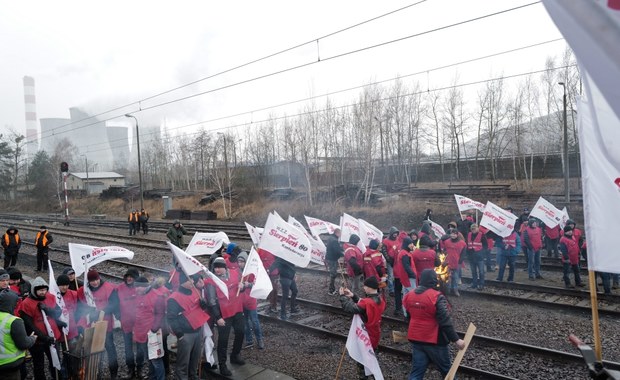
[
  {"x": 11, "y": 242},
  {"x": 287, "y": 282},
  {"x": 15, "y": 333},
  {"x": 333, "y": 253},
  {"x": 42, "y": 241}
]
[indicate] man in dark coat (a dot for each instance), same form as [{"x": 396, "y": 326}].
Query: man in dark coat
[
  {"x": 11, "y": 242},
  {"x": 333, "y": 253}
]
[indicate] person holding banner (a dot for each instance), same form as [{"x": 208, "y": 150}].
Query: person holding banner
[
  {"x": 32, "y": 311},
  {"x": 333, "y": 253},
  {"x": 507, "y": 250},
  {"x": 287, "y": 273},
  {"x": 74, "y": 284},
  {"x": 250, "y": 304},
  {"x": 455, "y": 249},
  {"x": 370, "y": 310},
  {"x": 71, "y": 300},
  {"x": 430, "y": 327},
  {"x": 227, "y": 313},
  {"x": 101, "y": 292},
  {"x": 186, "y": 314},
  {"x": 354, "y": 260}
]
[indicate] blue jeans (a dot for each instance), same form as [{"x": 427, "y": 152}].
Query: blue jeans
[
  {"x": 390, "y": 280},
  {"x": 455, "y": 274},
  {"x": 252, "y": 324},
  {"x": 423, "y": 354},
  {"x": 489, "y": 259},
  {"x": 288, "y": 285},
  {"x": 503, "y": 260},
  {"x": 407, "y": 289},
  {"x": 157, "y": 370},
  {"x": 477, "y": 273},
  {"x": 533, "y": 263}
]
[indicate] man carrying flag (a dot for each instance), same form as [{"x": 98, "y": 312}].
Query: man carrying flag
[{"x": 370, "y": 310}]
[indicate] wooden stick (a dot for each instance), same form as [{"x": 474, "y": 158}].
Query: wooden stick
[
  {"x": 598, "y": 350},
  {"x": 344, "y": 350},
  {"x": 344, "y": 280},
  {"x": 174, "y": 271},
  {"x": 471, "y": 329}
]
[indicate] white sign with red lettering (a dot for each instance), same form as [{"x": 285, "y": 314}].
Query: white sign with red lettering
[
  {"x": 190, "y": 265},
  {"x": 565, "y": 218},
  {"x": 262, "y": 284},
  {"x": 285, "y": 241},
  {"x": 546, "y": 212},
  {"x": 369, "y": 232},
  {"x": 318, "y": 247},
  {"x": 498, "y": 220},
  {"x": 437, "y": 229},
  {"x": 318, "y": 226},
  {"x": 360, "y": 348},
  {"x": 348, "y": 226},
  {"x": 255, "y": 233},
  {"x": 465, "y": 204},
  {"x": 206, "y": 243},
  {"x": 83, "y": 256}
]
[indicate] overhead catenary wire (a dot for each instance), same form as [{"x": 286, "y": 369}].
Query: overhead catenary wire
[{"x": 278, "y": 72}]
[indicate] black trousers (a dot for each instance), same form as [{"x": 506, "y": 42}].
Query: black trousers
[
  {"x": 39, "y": 352},
  {"x": 10, "y": 260},
  {"x": 42, "y": 257},
  {"x": 237, "y": 323}
]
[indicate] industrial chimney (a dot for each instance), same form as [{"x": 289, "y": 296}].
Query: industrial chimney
[{"x": 32, "y": 127}]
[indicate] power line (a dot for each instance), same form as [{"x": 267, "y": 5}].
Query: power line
[
  {"x": 358, "y": 87},
  {"x": 286, "y": 69},
  {"x": 361, "y": 103}
]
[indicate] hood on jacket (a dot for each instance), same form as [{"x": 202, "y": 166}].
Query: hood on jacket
[
  {"x": 426, "y": 241},
  {"x": 12, "y": 228},
  {"x": 406, "y": 242},
  {"x": 428, "y": 278},
  {"x": 393, "y": 233},
  {"x": 38, "y": 283},
  {"x": 8, "y": 300},
  {"x": 426, "y": 228}
]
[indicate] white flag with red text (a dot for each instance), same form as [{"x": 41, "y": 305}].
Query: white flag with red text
[
  {"x": 83, "y": 256},
  {"x": 317, "y": 255},
  {"x": 60, "y": 301},
  {"x": 262, "y": 284},
  {"x": 547, "y": 213},
  {"x": 360, "y": 348},
  {"x": 318, "y": 226},
  {"x": 437, "y": 229},
  {"x": 191, "y": 265},
  {"x": 255, "y": 233},
  {"x": 206, "y": 243},
  {"x": 466, "y": 204},
  {"x": 50, "y": 333},
  {"x": 498, "y": 220},
  {"x": 285, "y": 241},
  {"x": 350, "y": 226},
  {"x": 369, "y": 232},
  {"x": 565, "y": 217}
]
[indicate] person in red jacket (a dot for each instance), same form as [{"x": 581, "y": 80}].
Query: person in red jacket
[
  {"x": 532, "y": 237},
  {"x": 552, "y": 238},
  {"x": 274, "y": 276},
  {"x": 569, "y": 248},
  {"x": 101, "y": 292},
  {"x": 354, "y": 261},
  {"x": 124, "y": 299},
  {"x": 250, "y": 304},
  {"x": 404, "y": 272},
  {"x": 370, "y": 310},
  {"x": 150, "y": 312},
  {"x": 38, "y": 305},
  {"x": 227, "y": 313},
  {"x": 374, "y": 262},
  {"x": 391, "y": 247},
  {"x": 424, "y": 257},
  {"x": 455, "y": 254},
  {"x": 71, "y": 301},
  {"x": 430, "y": 327},
  {"x": 477, "y": 248}
]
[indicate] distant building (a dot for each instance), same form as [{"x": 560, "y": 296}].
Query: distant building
[{"x": 94, "y": 182}]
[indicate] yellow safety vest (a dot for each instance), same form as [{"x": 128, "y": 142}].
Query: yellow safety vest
[{"x": 9, "y": 352}]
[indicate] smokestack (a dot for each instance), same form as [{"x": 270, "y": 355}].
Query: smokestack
[{"x": 32, "y": 126}]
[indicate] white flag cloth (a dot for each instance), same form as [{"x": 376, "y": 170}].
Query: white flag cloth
[
  {"x": 262, "y": 285},
  {"x": 546, "y": 212},
  {"x": 255, "y": 233},
  {"x": 53, "y": 351},
  {"x": 360, "y": 349},
  {"x": 600, "y": 163},
  {"x": 565, "y": 218},
  {"x": 60, "y": 301},
  {"x": 437, "y": 229},
  {"x": 318, "y": 226},
  {"x": 319, "y": 249},
  {"x": 368, "y": 232},
  {"x": 592, "y": 29},
  {"x": 206, "y": 243},
  {"x": 209, "y": 345},
  {"x": 83, "y": 255},
  {"x": 466, "y": 204},
  {"x": 191, "y": 266},
  {"x": 349, "y": 226},
  {"x": 498, "y": 220},
  {"x": 285, "y": 241}
]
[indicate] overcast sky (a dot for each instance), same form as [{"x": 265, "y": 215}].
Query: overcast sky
[{"x": 102, "y": 55}]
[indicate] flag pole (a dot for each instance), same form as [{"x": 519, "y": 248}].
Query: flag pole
[
  {"x": 595, "y": 321},
  {"x": 344, "y": 350}
]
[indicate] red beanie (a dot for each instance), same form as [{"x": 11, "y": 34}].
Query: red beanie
[{"x": 93, "y": 275}]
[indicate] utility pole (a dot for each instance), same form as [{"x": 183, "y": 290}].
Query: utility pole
[{"x": 566, "y": 165}]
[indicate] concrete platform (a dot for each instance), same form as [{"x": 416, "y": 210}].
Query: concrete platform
[{"x": 247, "y": 372}]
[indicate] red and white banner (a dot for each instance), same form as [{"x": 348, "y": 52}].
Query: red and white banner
[
  {"x": 255, "y": 233},
  {"x": 262, "y": 285},
  {"x": 318, "y": 226},
  {"x": 317, "y": 255},
  {"x": 206, "y": 243},
  {"x": 348, "y": 226},
  {"x": 565, "y": 218},
  {"x": 600, "y": 164},
  {"x": 50, "y": 333},
  {"x": 437, "y": 229},
  {"x": 285, "y": 241},
  {"x": 60, "y": 301},
  {"x": 83, "y": 256},
  {"x": 191, "y": 266},
  {"x": 360, "y": 348},
  {"x": 498, "y": 220},
  {"x": 209, "y": 345},
  {"x": 368, "y": 232},
  {"x": 547, "y": 213},
  {"x": 466, "y": 204}
]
